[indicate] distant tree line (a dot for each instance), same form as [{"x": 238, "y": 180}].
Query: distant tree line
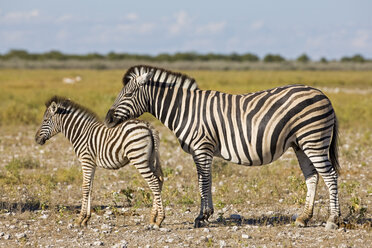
[{"x": 185, "y": 56}]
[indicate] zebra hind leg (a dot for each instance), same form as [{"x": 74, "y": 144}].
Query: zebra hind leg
[
  {"x": 311, "y": 178},
  {"x": 157, "y": 211},
  {"x": 328, "y": 172}
]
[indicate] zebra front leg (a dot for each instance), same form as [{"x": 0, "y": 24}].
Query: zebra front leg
[
  {"x": 85, "y": 213},
  {"x": 203, "y": 161},
  {"x": 311, "y": 177}
]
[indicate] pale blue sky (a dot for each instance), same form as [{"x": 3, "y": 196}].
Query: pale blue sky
[{"x": 333, "y": 28}]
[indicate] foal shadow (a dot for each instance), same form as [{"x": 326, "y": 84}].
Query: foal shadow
[{"x": 33, "y": 206}]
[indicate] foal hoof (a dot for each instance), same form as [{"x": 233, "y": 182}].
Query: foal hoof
[{"x": 331, "y": 225}]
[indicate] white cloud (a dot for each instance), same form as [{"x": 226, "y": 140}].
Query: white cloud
[
  {"x": 130, "y": 29},
  {"x": 131, "y": 17},
  {"x": 362, "y": 39},
  {"x": 257, "y": 25},
  {"x": 62, "y": 35},
  {"x": 182, "y": 22},
  {"x": 211, "y": 28},
  {"x": 19, "y": 16},
  {"x": 64, "y": 18}
]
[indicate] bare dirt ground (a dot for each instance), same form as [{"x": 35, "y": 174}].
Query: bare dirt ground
[{"x": 254, "y": 207}]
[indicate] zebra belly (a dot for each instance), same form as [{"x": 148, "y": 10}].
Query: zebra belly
[
  {"x": 112, "y": 163},
  {"x": 254, "y": 160}
]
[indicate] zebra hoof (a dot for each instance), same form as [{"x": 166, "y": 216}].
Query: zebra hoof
[
  {"x": 331, "y": 226},
  {"x": 300, "y": 223},
  {"x": 197, "y": 224}
]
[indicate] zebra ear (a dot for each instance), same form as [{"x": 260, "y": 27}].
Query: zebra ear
[
  {"x": 144, "y": 78},
  {"x": 53, "y": 108}
]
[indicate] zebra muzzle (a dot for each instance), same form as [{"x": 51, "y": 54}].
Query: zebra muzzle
[
  {"x": 40, "y": 139},
  {"x": 111, "y": 120}
]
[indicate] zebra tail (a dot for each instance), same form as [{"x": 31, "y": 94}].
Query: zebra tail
[
  {"x": 157, "y": 164},
  {"x": 333, "y": 150}
]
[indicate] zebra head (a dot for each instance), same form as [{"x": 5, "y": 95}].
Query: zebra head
[
  {"x": 49, "y": 127},
  {"x": 131, "y": 101}
]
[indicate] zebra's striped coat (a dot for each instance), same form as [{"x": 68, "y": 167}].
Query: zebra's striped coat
[
  {"x": 134, "y": 142},
  {"x": 250, "y": 129}
]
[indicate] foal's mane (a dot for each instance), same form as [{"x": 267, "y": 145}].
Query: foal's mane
[
  {"x": 65, "y": 102},
  {"x": 161, "y": 75}
]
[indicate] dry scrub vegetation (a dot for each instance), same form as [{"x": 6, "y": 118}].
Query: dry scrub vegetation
[{"x": 40, "y": 187}]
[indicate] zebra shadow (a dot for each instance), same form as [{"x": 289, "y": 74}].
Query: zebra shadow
[{"x": 263, "y": 220}]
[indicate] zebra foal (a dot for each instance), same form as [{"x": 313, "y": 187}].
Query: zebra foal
[
  {"x": 132, "y": 142},
  {"x": 250, "y": 129}
]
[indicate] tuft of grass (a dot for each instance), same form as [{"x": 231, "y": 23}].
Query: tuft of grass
[
  {"x": 68, "y": 175},
  {"x": 14, "y": 167}
]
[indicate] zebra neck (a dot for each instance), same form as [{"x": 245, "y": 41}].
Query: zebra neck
[
  {"x": 168, "y": 105},
  {"x": 75, "y": 125}
]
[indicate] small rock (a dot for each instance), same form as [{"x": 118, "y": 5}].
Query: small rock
[
  {"x": 169, "y": 240},
  {"x": 7, "y": 236},
  {"x": 203, "y": 239},
  {"x": 20, "y": 235},
  {"x": 222, "y": 243},
  {"x": 235, "y": 228},
  {"x": 246, "y": 236},
  {"x": 270, "y": 213},
  {"x": 70, "y": 226},
  {"x": 98, "y": 243},
  {"x": 105, "y": 227},
  {"x": 2, "y": 234},
  {"x": 12, "y": 227},
  {"x": 44, "y": 216},
  {"x": 123, "y": 244},
  {"x": 206, "y": 230},
  {"x": 163, "y": 229}
]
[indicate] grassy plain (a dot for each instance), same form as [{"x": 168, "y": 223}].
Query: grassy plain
[{"x": 45, "y": 181}]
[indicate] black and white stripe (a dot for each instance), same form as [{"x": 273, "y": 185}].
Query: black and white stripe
[
  {"x": 134, "y": 142},
  {"x": 249, "y": 129}
]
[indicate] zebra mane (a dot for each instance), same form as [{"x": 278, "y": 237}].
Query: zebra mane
[
  {"x": 160, "y": 75},
  {"x": 65, "y": 102}
]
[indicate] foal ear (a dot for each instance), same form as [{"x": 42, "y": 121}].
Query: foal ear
[
  {"x": 144, "y": 78},
  {"x": 53, "y": 108}
]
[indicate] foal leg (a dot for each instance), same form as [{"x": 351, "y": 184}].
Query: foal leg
[
  {"x": 155, "y": 184},
  {"x": 311, "y": 178},
  {"x": 88, "y": 175}
]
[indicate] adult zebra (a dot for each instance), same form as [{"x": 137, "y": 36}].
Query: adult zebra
[
  {"x": 134, "y": 142},
  {"x": 250, "y": 129}
]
